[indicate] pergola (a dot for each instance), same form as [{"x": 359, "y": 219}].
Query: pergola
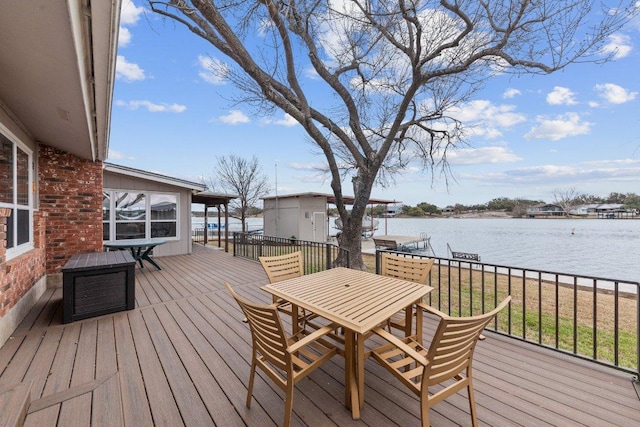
[{"x": 211, "y": 199}]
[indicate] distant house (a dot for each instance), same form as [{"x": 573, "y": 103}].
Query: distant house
[
  {"x": 603, "y": 210},
  {"x": 609, "y": 207},
  {"x": 545, "y": 211},
  {"x": 393, "y": 210},
  {"x": 584, "y": 210}
]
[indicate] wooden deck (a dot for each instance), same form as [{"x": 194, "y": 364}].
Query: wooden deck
[{"x": 182, "y": 358}]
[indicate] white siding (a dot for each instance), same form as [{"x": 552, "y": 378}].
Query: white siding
[{"x": 183, "y": 244}]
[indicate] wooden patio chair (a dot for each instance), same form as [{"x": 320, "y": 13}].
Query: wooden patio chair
[
  {"x": 283, "y": 267},
  {"x": 286, "y": 360},
  {"x": 447, "y": 360},
  {"x": 410, "y": 269}
]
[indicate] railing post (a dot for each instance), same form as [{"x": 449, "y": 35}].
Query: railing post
[
  {"x": 235, "y": 245},
  {"x": 638, "y": 332},
  {"x": 327, "y": 252}
]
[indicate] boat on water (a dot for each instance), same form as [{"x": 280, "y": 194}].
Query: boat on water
[{"x": 369, "y": 226}]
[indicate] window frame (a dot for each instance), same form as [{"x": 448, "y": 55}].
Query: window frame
[
  {"x": 19, "y": 249},
  {"x": 148, "y": 221}
]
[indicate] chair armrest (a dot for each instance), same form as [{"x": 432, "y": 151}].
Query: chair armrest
[
  {"x": 401, "y": 345},
  {"x": 312, "y": 337},
  {"x": 431, "y": 310}
]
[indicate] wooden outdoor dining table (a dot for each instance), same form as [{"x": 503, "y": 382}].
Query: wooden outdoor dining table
[{"x": 357, "y": 300}]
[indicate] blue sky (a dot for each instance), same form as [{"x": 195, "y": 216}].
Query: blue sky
[{"x": 531, "y": 135}]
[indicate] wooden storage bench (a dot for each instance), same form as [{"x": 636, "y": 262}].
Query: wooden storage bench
[{"x": 98, "y": 283}]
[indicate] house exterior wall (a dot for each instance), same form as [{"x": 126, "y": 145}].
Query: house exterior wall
[
  {"x": 67, "y": 220},
  {"x": 70, "y": 193},
  {"x": 174, "y": 246},
  {"x": 22, "y": 278}
]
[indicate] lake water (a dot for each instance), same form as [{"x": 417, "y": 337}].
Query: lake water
[{"x": 589, "y": 247}]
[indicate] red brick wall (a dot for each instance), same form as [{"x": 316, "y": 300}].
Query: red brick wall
[
  {"x": 19, "y": 275},
  {"x": 71, "y": 195}
]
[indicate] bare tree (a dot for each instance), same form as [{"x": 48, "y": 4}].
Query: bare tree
[
  {"x": 567, "y": 199},
  {"x": 392, "y": 73},
  {"x": 241, "y": 177}
]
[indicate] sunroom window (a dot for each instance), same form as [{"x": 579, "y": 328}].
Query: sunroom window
[{"x": 139, "y": 215}]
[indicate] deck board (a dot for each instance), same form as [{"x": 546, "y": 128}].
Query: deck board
[
  {"x": 135, "y": 409},
  {"x": 182, "y": 357},
  {"x": 79, "y": 408}
]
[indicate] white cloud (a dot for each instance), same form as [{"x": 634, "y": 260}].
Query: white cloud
[
  {"x": 482, "y": 110},
  {"x": 484, "y": 132},
  {"x": 612, "y": 162},
  {"x": 561, "y": 96},
  {"x": 308, "y": 166},
  {"x": 286, "y": 120},
  {"x": 124, "y": 37},
  {"x": 510, "y": 93},
  {"x": 561, "y": 174},
  {"x": 151, "y": 106},
  {"x": 562, "y": 126},
  {"x": 482, "y": 118},
  {"x": 615, "y": 94},
  {"x": 117, "y": 155},
  {"x": 213, "y": 70},
  {"x": 311, "y": 73},
  {"x": 130, "y": 13},
  {"x": 234, "y": 117},
  {"x": 484, "y": 155},
  {"x": 311, "y": 178},
  {"x": 619, "y": 45},
  {"x": 128, "y": 71}
]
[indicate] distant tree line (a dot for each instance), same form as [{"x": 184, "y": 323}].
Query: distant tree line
[{"x": 515, "y": 207}]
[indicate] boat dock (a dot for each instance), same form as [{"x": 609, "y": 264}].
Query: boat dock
[{"x": 401, "y": 243}]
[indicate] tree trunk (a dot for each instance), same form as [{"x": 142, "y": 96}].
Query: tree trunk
[
  {"x": 351, "y": 236},
  {"x": 350, "y": 239}
]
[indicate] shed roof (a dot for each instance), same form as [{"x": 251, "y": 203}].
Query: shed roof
[
  {"x": 209, "y": 198},
  {"x": 348, "y": 200}
]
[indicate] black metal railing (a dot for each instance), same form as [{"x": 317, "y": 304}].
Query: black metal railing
[
  {"x": 592, "y": 318},
  {"x": 197, "y": 235},
  {"x": 317, "y": 256}
]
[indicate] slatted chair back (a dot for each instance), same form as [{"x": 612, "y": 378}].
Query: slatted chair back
[
  {"x": 286, "y": 360},
  {"x": 267, "y": 333},
  {"x": 452, "y": 347},
  {"x": 410, "y": 269},
  {"x": 406, "y": 268},
  {"x": 447, "y": 361},
  {"x": 283, "y": 267}
]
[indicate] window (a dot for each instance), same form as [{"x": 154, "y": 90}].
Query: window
[
  {"x": 164, "y": 210},
  {"x": 15, "y": 181},
  {"x": 139, "y": 215}
]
